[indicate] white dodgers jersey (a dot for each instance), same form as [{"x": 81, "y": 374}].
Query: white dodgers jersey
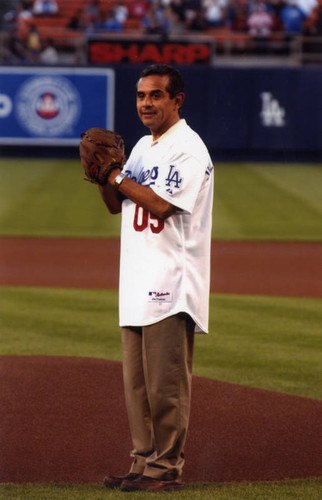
[{"x": 165, "y": 264}]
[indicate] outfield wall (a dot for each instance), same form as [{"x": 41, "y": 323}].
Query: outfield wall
[
  {"x": 241, "y": 110},
  {"x": 238, "y": 111}
]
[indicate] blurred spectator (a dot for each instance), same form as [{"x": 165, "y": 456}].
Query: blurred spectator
[
  {"x": 260, "y": 23},
  {"x": 293, "y": 18},
  {"x": 15, "y": 51},
  {"x": 197, "y": 21},
  {"x": 96, "y": 23},
  {"x": 45, "y": 8},
  {"x": 318, "y": 21},
  {"x": 19, "y": 14},
  {"x": 111, "y": 22},
  {"x": 10, "y": 17},
  {"x": 236, "y": 16},
  {"x": 313, "y": 32},
  {"x": 49, "y": 54},
  {"x": 214, "y": 13},
  {"x": 179, "y": 8},
  {"x": 24, "y": 15},
  {"x": 92, "y": 10},
  {"x": 77, "y": 21},
  {"x": 250, "y": 5},
  {"x": 307, "y": 6},
  {"x": 163, "y": 21},
  {"x": 105, "y": 22},
  {"x": 275, "y": 7},
  {"x": 190, "y": 7},
  {"x": 313, "y": 26},
  {"x": 33, "y": 43},
  {"x": 138, "y": 8},
  {"x": 155, "y": 22},
  {"x": 121, "y": 12},
  {"x": 173, "y": 25}
]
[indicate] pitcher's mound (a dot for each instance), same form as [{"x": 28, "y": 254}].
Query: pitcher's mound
[{"x": 63, "y": 420}]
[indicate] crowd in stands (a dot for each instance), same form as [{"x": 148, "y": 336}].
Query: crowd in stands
[
  {"x": 174, "y": 17},
  {"x": 166, "y": 18},
  {"x": 22, "y": 41}
]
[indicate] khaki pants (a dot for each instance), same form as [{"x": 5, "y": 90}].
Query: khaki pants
[{"x": 157, "y": 372}]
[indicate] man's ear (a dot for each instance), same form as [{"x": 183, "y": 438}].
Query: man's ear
[{"x": 179, "y": 98}]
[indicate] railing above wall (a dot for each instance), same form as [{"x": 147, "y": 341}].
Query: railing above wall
[{"x": 227, "y": 47}]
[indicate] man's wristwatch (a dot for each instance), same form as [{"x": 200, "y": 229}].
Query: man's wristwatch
[{"x": 119, "y": 179}]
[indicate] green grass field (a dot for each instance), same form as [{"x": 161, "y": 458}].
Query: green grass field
[
  {"x": 268, "y": 342},
  {"x": 261, "y": 202},
  {"x": 309, "y": 489}
]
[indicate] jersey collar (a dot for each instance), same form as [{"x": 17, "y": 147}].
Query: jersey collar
[{"x": 170, "y": 130}]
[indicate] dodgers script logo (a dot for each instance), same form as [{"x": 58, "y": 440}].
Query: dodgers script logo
[
  {"x": 147, "y": 177},
  {"x": 48, "y": 106}
]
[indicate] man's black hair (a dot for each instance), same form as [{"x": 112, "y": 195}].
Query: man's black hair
[{"x": 176, "y": 82}]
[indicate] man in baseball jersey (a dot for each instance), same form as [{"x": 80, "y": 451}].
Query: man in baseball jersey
[{"x": 165, "y": 193}]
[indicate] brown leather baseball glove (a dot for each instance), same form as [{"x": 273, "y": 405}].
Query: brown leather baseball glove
[{"x": 101, "y": 151}]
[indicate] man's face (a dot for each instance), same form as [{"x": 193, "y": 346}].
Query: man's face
[{"x": 155, "y": 108}]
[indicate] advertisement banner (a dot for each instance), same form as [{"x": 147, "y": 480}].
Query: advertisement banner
[
  {"x": 52, "y": 106},
  {"x": 141, "y": 52}
]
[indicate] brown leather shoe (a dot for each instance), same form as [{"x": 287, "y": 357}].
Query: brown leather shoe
[
  {"x": 145, "y": 483},
  {"x": 113, "y": 482}
]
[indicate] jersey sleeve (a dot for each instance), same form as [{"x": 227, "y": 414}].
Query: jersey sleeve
[{"x": 180, "y": 181}]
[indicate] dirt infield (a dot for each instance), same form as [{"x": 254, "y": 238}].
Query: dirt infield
[
  {"x": 256, "y": 268},
  {"x": 63, "y": 419}
]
